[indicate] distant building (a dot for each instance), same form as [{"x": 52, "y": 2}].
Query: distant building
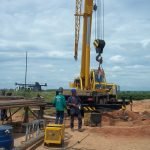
[{"x": 34, "y": 87}]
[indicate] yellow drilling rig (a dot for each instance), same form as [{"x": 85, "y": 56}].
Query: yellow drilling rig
[{"x": 91, "y": 85}]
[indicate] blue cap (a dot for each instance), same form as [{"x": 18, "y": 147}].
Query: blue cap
[{"x": 73, "y": 90}]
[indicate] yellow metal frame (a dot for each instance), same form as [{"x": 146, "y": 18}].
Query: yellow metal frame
[
  {"x": 86, "y": 37},
  {"x": 51, "y": 129},
  {"x": 87, "y": 78}
]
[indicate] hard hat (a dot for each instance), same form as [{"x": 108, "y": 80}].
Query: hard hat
[
  {"x": 73, "y": 90},
  {"x": 60, "y": 89}
]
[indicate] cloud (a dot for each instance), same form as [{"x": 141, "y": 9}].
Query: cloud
[
  {"x": 116, "y": 68},
  {"x": 59, "y": 54},
  {"x": 47, "y": 66},
  {"x": 46, "y": 30},
  {"x": 147, "y": 57},
  {"x": 117, "y": 59},
  {"x": 145, "y": 42},
  {"x": 136, "y": 67}
]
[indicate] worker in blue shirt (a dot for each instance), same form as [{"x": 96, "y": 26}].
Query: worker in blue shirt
[
  {"x": 60, "y": 105},
  {"x": 74, "y": 103}
]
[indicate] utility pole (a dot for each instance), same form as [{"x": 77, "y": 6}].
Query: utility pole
[{"x": 26, "y": 69}]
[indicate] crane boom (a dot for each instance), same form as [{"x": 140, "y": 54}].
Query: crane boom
[
  {"x": 85, "y": 64},
  {"x": 87, "y": 21},
  {"x": 77, "y": 27},
  {"x": 91, "y": 85},
  {"x": 90, "y": 80}
]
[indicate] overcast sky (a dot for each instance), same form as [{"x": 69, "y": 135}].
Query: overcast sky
[{"x": 45, "y": 28}]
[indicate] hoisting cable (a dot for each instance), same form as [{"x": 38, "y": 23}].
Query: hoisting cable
[
  {"x": 103, "y": 18},
  {"x": 95, "y": 8},
  {"x": 99, "y": 42},
  {"x": 95, "y": 16}
]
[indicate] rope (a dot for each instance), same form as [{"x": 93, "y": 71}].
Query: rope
[
  {"x": 95, "y": 24},
  {"x": 103, "y": 18},
  {"x": 99, "y": 19},
  {"x": 69, "y": 147}
]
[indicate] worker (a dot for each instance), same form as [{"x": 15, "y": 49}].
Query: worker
[
  {"x": 74, "y": 103},
  {"x": 60, "y": 105},
  {"x": 3, "y": 114},
  {"x": 131, "y": 103}
]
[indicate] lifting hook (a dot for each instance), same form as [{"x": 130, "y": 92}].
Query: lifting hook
[{"x": 99, "y": 46}]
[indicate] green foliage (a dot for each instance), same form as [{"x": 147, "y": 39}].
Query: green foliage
[
  {"x": 47, "y": 95},
  {"x": 136, "y": 95}
]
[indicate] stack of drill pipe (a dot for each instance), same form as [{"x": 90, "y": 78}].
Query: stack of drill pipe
[
  {"x": 31, "y": 142},
  {"x": 11, "y": 97},
  {"x": 20, "y": 102}
]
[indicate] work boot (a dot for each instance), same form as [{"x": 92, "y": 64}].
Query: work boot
[{"x": 80, "y": 130}]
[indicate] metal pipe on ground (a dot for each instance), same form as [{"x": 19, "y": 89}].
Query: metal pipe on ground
[
  {"x": 31, "y": 143},
  {"x": 69, "y": 147},
  {"x": 49, "y": 117}
]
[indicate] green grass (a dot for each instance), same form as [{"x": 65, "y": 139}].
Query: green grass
[
  {"x": 136, "y": 95},
  {"x": 48, "y": 95}
]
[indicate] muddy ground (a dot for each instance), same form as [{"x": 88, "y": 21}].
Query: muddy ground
[{"x": 129, "y": 130}]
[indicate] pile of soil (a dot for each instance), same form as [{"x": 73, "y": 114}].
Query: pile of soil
[
  {"x": 138, "y": 131},
  {"x": 139, "y": 116},
  {"x": 127, "y": 123},
  {"x": 125, "y": 118}
]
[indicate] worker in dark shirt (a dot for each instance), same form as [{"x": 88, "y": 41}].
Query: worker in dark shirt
[{"x": 74, "y": 103}]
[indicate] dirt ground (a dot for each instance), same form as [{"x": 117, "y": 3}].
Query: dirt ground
[
  {"x": 120, "y": 130},
  {"x": 129, "y": 130}
]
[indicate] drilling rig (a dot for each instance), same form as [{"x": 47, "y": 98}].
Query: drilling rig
[{"x": 91, "y": 85}]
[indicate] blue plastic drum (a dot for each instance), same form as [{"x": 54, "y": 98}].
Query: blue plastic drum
[{"x": 6, "y": 138}]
